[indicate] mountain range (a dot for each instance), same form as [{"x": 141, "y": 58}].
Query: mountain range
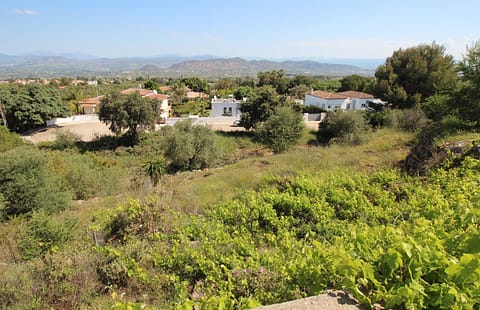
[{"x": 51, "y": 65}]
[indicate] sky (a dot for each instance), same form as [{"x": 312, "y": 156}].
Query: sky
[{"x": 270, "y": 29}]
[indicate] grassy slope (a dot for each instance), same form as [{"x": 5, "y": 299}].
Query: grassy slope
[{"x": 190, "y": 192}]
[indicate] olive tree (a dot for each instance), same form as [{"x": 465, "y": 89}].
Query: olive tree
[{"x": 132, "y": 112}]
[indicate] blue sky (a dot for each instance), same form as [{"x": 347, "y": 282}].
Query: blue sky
[{"x": 271, "y": 29}]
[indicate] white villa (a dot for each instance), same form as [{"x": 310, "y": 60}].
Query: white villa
[
  {"x": 347, "y": 100},
  {"x": 225, "y": 106}
]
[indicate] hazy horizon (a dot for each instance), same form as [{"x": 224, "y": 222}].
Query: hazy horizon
[{"x": 258, "y": 29}]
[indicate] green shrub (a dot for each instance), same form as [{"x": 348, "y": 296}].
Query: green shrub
[
  {"x": 408, "y": 119},
  {"x": 282, "y": 129},
  {"x": 342, "y": 127},
  {"x": 9, "y": 140},
  {"x": 190, "y": 147},
  {"x": 65, "y": 139},
  {"x": 312, "y": 109},
  {"x": 27, "y": 183},
  {"x": 87, "y": 175},
  {"x": 42, "y": 235}
]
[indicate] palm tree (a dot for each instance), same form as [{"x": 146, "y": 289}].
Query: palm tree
[{"x": 155, "y": 169}]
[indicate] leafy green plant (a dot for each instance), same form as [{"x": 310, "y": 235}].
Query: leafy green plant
[
  {"x": 342, "y": 127},
  {"x": 43, "y": 235},
  {"x": 27, "y": 183},
  {"x": 282, "y": 129},
  {"x": 155, "y": 169}
]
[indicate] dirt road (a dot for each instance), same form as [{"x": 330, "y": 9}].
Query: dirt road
[{"x": 88, "y": 130}]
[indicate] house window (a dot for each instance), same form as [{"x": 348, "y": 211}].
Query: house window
[
  {"x": 364, "y": 105},
  {"x": 227, "y": 111}
]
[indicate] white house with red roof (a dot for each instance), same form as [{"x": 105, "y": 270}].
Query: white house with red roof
[
  {"x": 326, "y": 100},
  {"x": 346, "y": 100}
]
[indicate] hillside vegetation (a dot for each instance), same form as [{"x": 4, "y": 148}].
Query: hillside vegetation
[
  {"x": 381, "y": 203},
  {"x": 260, "y": 230}
]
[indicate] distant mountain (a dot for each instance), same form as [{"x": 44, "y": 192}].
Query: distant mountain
[
  {"x": 241, "y": 67},
  {"x": 169, "y": 66},
  {"x": 149, "y": 68}
]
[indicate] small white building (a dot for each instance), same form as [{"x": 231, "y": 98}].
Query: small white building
[
  {"x": 225, "y": 106},
  {"x": 326, "y": 100}
]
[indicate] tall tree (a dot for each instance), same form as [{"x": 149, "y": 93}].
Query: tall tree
[
  {"x": 260, "y": 106},
  {"x": 467, "y": 97},
  {"x": 128, "y": 112},
  {"x": 356, "y": 82},
  {"x": 411, "y": 75},
  {"x": 275, "y": 78},
  {"x": 28, "y": 107}
]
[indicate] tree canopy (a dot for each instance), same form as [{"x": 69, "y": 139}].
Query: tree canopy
[
  {"x": 411, "y": 75},
  {"x": 282, "y": 129},
  {"x": 128, "y": 112},
  {"x": 29, "y": 107},
  {"x": 466, "y": 99},
  {"x": 356, "y": 82},
  {"x": 260, "y": 106}
]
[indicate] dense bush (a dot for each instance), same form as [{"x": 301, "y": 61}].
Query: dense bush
[
  {"x": 408, "y": 119},
  {"x": 312, "y": 109},
  {"x": 90, "y": 175},
  {"x": 386, "y": 238},
  {"x": 43, "y": 235},
  {"x": 189, "y": 146},
  {"x": 27, "y": 183},
  {"x": 342, "y": 127},
  {"x": 282, "y": 129},
  {"x": 9, "y": 140},
  {"x": 65, "y": 139}
]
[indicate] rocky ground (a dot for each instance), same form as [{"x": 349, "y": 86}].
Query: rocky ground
[{"x": 332, "y": 300}]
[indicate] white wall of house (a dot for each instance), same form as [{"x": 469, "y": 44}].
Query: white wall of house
[
  {"x": 225, "y": 108},
  {"x": 358, "y": 104},
  {"x": 327, "y": 104},
  {"x": 165, "y": 108}
]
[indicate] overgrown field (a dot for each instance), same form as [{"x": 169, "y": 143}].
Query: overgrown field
[{"x": 257, "y": 229}]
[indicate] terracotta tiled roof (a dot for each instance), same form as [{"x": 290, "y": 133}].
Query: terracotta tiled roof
[
  {"x": 94, "y": 100},
  {"x": 156, "y": 96},
  {"x": 141, "y": 91},
  {"x": 327, "y": 95},
  {"x": 165, "y": 88},
  {"x": 356, "y": 94}
]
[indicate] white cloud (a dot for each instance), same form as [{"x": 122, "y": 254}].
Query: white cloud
[{"x": 25, "y": 12}]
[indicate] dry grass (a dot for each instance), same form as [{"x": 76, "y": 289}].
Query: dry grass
[{"x": 191, "y": 191}]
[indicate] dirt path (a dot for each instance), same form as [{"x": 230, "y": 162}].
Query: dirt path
[{"x": 87, "y": 131}]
